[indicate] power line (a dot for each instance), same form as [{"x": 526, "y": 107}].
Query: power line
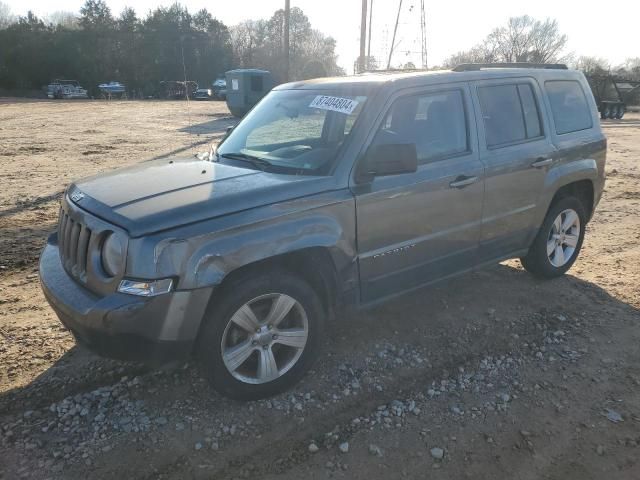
[{"x": 393, "y": 41}]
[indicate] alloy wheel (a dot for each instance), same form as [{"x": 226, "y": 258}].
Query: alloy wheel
[
  {"x": 563, "y": 238},
  {"x": 264, "y": 338}
]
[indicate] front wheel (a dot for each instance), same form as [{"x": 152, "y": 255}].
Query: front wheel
[
  {"x": 559, "y": 239},
  {"x": 261, "y": 336}
]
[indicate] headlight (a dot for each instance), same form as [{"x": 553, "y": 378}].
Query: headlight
[
  {"x": 144, "y": 288},
  {"x": 209, "y": 92},
  {"x": 112, "y": 255}
]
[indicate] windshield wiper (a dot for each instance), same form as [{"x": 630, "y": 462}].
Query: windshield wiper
[{"x": 255, "y": 161}]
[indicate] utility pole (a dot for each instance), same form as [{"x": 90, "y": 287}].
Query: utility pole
[
  {"x": 287, "y": 17},
  {"x": 370, "y": 28},
  {"x": 363, "y": 37},
  {"x": 423, "y": 28},
  {"x": 393, "y": 40}
]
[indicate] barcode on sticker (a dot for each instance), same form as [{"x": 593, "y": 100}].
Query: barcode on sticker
[{"x": 336, "y": 104}]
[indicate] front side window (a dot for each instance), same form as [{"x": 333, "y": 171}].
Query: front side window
[
  {"x": 434, "y": 122},
  {"x": 293, "y": 131},
  {"x": 569, "y": 106},
  {"x": 510, "y": 114}
]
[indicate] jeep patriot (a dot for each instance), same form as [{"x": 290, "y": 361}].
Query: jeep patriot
[{"x": 330, "y": 193}]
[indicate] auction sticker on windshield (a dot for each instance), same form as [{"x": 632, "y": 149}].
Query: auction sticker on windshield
[{"x": 336, "y": 104}]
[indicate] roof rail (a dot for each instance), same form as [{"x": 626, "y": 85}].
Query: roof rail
[
  {"x": 396, "y": 70},
  {"x": 469, "y": 67}
]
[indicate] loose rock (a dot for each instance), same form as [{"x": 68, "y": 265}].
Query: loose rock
[
  {"x": 437, "y": 453},
  {"x": 375, "y": 450}
]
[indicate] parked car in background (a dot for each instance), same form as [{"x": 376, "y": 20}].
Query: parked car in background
[
  {"x": 330, "y": 194},
  {"x": 203, "y": 94},
  {"x": 177, "y": 89},
  {"x": 113, "y": 90},
  {"x": 219, "y": 88},
  {"x": 66, "y": 89}
]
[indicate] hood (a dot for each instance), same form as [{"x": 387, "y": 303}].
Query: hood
[{"x": 164, "y": 194}]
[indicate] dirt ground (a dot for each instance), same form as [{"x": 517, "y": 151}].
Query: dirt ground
[{"x": 488, "y": 376}]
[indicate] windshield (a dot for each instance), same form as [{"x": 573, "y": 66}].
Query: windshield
[{"x": 293, "y": 131}]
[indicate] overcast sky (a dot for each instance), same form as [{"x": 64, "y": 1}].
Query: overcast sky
[{"x": 451, "y": 25}]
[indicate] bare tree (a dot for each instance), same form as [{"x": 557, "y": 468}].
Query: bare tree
[
  {"x": 247, "y": 38},
  {"x": 60, "y": 18},
  {"x": 546, "y": 42},
  {"x": 632, "y": 65},
  {"x": 260, "y": 44},
  {"x": 478, "y": 54},
  {"x": 6, "y": 18},
  {"x": 522, "y": 39},
  {"x": 591, "y": 65},
  {"x": 370, "y": 63}
]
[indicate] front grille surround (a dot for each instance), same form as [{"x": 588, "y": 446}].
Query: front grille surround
[
  {"x": 73, "y": 240},
  {"x": 80, "y": 239}
]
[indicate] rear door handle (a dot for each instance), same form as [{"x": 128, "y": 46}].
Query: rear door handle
[
  {"x": 542, "y": 162},
  {"x": 462, "y": 181}
]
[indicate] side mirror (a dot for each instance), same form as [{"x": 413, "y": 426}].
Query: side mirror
[{"x": 390, "y": 159}]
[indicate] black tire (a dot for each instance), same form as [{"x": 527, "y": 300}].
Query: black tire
[
  {"x": 620, "y": 112},
  {"x": 606, "y": 111},
  {"x": 613, "y": 110},
  {"x": 230, "y": 299},
  {"x": 537, "y": 260}
]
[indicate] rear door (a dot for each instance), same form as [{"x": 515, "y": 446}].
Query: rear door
[
  {"x": 418, "y": 227},
  {"x": 517, "y": 153}
]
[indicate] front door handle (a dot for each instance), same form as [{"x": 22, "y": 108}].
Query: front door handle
[
  {"x": 542, "y": 162},
  {"x": 462, "y": 181}
]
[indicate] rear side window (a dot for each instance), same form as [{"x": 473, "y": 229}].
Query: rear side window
[
  {"x": 435, "y": 122},
  {"x": 510, "y": 114},
  {"x": 569, "y": 106}
]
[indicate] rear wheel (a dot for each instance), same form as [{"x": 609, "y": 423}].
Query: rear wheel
[
  {"x": 262, "y": 336},
  {"x": 605, "y": 112},
  {"x": 559, "y": 240},
  {"x": 620, "y": 112}
]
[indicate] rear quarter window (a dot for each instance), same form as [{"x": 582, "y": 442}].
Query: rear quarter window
[{"x": 569, "y": 106}]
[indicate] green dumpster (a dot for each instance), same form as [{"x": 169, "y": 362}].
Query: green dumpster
[{"x": 245, "y": 87}]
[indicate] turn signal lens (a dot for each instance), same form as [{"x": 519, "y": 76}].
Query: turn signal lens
[{"x": 149, "y": 288}]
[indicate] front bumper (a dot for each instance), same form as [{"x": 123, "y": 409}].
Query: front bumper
[{"x": 152, "y": 330}]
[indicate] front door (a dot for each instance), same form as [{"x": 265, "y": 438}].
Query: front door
[
  {"x": 517, "y": 153},
  {"x": 418, "y": 227}
]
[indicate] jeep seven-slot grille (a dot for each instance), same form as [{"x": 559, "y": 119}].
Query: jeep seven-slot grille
[{"x": 73, "y": 241}]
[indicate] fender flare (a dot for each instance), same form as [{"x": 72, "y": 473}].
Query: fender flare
[
  {"x": 212, "y": 259},
  {"x": 561, "y": 176}
]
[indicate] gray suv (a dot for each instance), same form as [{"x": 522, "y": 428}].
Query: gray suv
[{"x": 330, "y": 193}]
